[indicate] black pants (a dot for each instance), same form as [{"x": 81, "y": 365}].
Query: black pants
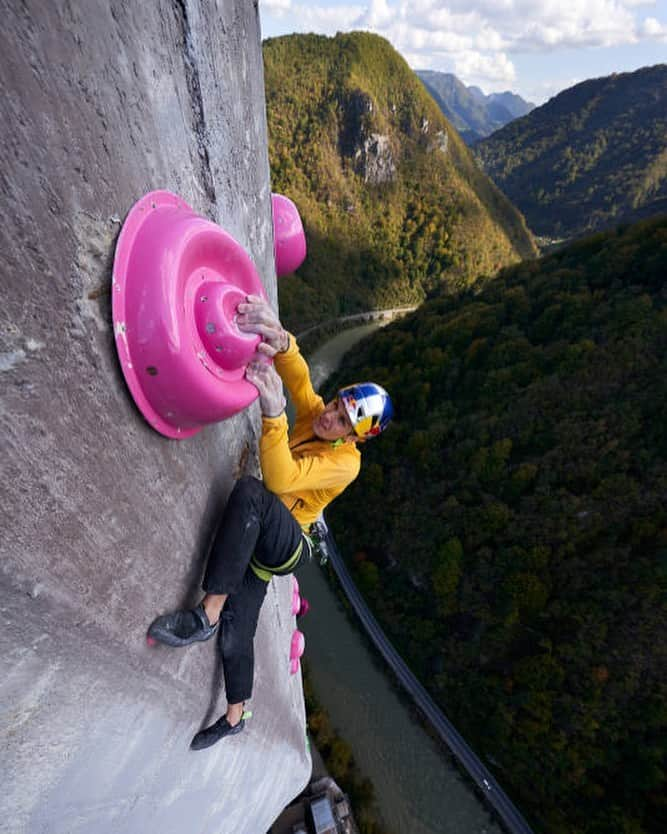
[{"x": 255, "y": 522}]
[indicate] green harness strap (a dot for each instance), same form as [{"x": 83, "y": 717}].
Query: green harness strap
[{"x": 265, "y": 572}]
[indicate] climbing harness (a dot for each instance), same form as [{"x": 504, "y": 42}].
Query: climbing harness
[{"x": 265, "y": 572}]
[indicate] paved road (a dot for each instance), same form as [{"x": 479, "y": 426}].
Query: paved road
[
  {"x": 388, "y": 312},
  {"x": 493, "y": 793}
]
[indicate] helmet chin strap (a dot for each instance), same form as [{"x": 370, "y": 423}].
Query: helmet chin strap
[{"x": 349, "y": 438}]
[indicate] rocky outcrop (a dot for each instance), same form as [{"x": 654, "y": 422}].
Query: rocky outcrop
[
  {"x": 440, "y": 142},
  {"x": 105, "y": 522},
  {"x": 356, "y": 111},
  {"x": 374, "y": 160},
  {"x": 369, "y": 150}
]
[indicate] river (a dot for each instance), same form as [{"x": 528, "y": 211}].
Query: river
[{"x": 418, "y": 789}]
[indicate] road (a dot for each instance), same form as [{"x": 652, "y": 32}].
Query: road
[
  {"x": 369, "y": 315},
  {"x": 491, "y": 790}
]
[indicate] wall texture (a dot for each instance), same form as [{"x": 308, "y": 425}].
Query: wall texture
[{"x": 104, "y": 522}]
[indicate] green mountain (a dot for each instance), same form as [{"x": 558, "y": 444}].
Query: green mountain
[
  {"x": 511, "y": 102},
  {"x": 474, "y": 114},
  {"x": 510, "y": 529},
  {"x": 591, "y": 157},
  {"x": 393, "y": 203}
]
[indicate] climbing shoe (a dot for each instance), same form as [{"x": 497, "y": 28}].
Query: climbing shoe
[
  {"x": 221, "y": 728},
  {"x": 182, "y": 627}
]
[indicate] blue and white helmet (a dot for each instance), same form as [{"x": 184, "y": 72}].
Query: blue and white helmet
[{"x": 368, "y": 406}]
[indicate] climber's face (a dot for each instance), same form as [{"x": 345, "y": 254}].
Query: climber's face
[{"x": 333, "y": 423}]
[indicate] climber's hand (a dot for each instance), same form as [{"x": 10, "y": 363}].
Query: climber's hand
[
  {"x": 257, "y": 316},
  {"x": 265, "y": 378}
]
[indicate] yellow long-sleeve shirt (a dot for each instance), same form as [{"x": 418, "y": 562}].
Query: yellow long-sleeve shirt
[{"x": 306, "y": 473}]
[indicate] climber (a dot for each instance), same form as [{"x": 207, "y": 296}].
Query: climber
[{"x": 264, "y": 529}]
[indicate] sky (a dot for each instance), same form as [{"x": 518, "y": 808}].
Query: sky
[{"x": 531, "y": 48}]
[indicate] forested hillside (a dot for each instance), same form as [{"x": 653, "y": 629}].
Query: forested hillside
[
  {"x": 510, "y": 528},
  {"x": 393, "y": 203},
  {"x": 474, "y": 114},
  {"x": 591, "y": 157}
]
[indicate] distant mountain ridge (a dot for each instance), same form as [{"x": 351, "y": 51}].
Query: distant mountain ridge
[
  {"x": 593, "y": 156},
  {"x": 393, "y": 201},
  {"x": 473, "y": 113}
]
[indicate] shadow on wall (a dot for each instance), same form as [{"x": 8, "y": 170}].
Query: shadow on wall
[{"x": 322, "y": 288}]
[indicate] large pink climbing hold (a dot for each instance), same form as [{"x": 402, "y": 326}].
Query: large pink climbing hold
[
  {"x": 289, "y": 239},
  {"x": 177, "y": 281}
]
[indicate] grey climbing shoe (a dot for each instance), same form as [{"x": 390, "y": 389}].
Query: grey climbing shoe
[
  {"x": 221, "y": 728},
  {"x": 182, "y": 627}
]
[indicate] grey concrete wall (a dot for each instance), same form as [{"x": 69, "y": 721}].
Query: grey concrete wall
[{"x": 104, "y": 522}]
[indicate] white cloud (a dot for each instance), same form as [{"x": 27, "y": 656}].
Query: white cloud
[
  {"x": 508, "y": 25},
  {"x": 476, "y": 39},
  {"x": 379, "y": 13},
  {"x": 276, "y": 6},
  {"x": 489, "y": 40},
  {"x": 652, "y": 28},
  {"x": 323, "y": 19},
  {"x": 490, "y": 71}
]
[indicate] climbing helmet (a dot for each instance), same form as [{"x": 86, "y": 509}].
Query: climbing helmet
[{"x": 368, "y": 406}]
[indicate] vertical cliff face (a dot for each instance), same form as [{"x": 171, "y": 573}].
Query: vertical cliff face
[{"x": 105, "y": 522}]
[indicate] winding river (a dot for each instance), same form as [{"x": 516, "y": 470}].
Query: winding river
[{"x": 418, "y": 789}]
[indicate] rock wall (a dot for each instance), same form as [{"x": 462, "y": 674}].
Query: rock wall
[{"x": 105, "y": 522}]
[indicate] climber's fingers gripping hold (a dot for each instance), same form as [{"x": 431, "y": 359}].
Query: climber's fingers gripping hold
[
  {"x": 265, "y": 378},
  {"x": 257, "y": 316},
  {"x": 265, "y": 349}
]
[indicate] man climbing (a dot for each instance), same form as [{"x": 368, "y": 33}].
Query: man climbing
[{"x": 263, "y": 530}]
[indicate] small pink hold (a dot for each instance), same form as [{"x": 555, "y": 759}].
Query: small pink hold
[
  {"x": 297, "y": 647},
  {"x": 298, "y": 644},
  {"x": 295, "y": 584},
  {"x": 304, "y": 608},
  {"x": 289, "y": 239},
  {"x": 296, "y": 602}
]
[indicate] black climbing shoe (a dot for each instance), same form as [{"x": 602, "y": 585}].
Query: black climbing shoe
[
  {"x": 221, "y": 728},
  {"x": 182, "y": 627}
]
